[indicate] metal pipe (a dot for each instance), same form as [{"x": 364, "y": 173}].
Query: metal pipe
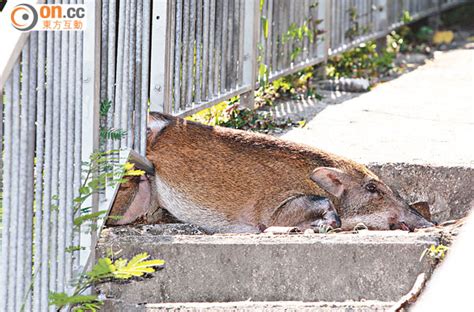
[
  {"x": 7, "y": 216},
  {"x": 14, "y": 243},
  {"x": 177, "y": 56},
  {"x": 40, "y": 131},
  {"x": 22, "y": 144}
]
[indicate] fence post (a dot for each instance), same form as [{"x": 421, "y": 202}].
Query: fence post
[
  {"x": 324, "y": 13},
  {"x": 160, "y": 78},
  {"x": 381, "y": 25},
  {"x": 250, "y": 53},
  {"x": 381, "y": 16},
  {"x": 90, "y": 112}
]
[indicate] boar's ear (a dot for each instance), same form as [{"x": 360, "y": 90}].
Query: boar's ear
[
  {"x": 329, "y": 179},
  {"x": 422, "y": 208},
  {"x": 156, "y": 123}
]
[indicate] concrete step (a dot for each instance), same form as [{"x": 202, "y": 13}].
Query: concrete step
[
  {"x": 246, "y": 306},
  {"x": 368, "y": 265}
]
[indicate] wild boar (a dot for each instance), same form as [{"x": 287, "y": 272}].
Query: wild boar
[{"x": 228, "y": 180}]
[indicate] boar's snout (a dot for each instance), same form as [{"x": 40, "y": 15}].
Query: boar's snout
[{"x": 411, "y": 220}]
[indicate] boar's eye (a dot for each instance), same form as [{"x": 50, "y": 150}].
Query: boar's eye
[{"x": 371, "y": 187}]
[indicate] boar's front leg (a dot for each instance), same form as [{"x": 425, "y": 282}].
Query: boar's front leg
[{"x": 306, "y": 211}]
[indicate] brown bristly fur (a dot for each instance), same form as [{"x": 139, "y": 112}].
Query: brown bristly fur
[{"x": 244, "y": 176}]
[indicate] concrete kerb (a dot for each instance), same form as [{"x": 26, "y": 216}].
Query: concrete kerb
[{"x": 226, "y": 268}]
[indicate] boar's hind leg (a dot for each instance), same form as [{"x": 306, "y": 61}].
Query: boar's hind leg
[{"x": 306, "y": 211}]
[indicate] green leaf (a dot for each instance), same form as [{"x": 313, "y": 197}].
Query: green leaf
[
  {"x": 84, "y": 190},
  {"x": 295, "y": 53},
  {"x": 74, "y": 248},
  {"x": 103, "y": 269},
  {"x": 62, "y": 299},
  {"x": 136, "y": 267},
  {"x": 112, "y": 134},
  {"x": 89, "y": 217},
  {"x": 105, "y": 106}
]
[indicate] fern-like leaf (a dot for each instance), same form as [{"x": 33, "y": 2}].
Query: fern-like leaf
[
  {"x": 136, "y": 267},
  {"x": 112, "y": 134},
  {"x": 105, "y": 106},
  {"x": 103, "y": 269},
  {"x": 63, "y": 299}
]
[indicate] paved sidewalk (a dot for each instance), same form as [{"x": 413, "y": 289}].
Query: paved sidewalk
[{"x": 423, "y": 117}]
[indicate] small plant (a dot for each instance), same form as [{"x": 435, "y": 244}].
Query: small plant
[
  {"x": 435, "y": 253},
  {"x": 231, "y": 114},
  {"x": 107, "y": 133},
  {"x": 105, "y": 270},
  {"x": 361, "y": 62},
  {"x": 100, "y": 172}
]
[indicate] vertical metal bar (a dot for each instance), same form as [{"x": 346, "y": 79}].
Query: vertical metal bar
[
  {"x": 170, "y": 57},
  {"x": 63, "y": 160},
  {"x": 199, "y": 48},
  {"x": 274, "y": 35},
  {"x": 78, "y": 136},
  {"x": 186, "y": 53},
  {"x": 205, "y": 50},
  {"x": 40, "y": 131},
  {"x": 251, "y": 29},
  {"x": 177, "y": 56},
  {"x": 241, "y": 41},
  {"x": 119, "y": 80},
  {"x": 286, "y": 25},
  {"x": 229, "y": 64},
  {"x": 21, "y": 163},
  {"x": 13, "y": 252},
  {"x": 70, "y": 151},
  {"x": 191, "y": 54},
  {"x": 160, "y": 60},
  {"x": 46, "y": 228},
  {"x": 137, "y": 98},
  {"x": 218, "y": 47},
  {"x": 55, "y": 164},
  {"x": 90, "y": 114},
  {"x": 292, "y": 44},
  {"x": 131, "y": 75},
  {"x": 224, "y": 38},
  {"x": 104, "y": 49},
  {"x": 382, "y": 15},
  {"x": 236, "y": 45},
  {"x": 33, "y": 60},
  {"x": 212, "y": 53},
  {"x": 124, "y": 104},
  {"x": 323, "y": 42},
  {"x": 111, "y": 60},
  {"x": 7, "y": 216},
  {"x": 264, "y": 33},
  {"x": 281, "y": 31}
]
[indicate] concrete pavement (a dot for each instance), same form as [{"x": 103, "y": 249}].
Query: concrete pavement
[{"x": 423, "y": 117}]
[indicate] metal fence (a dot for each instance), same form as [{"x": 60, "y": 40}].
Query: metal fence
[
  {"x": 41, "y": 168},
  {"x": 50, "y": 126},
  {"x": 207, "y": 51},
  {"x": 184, "y": 56}
]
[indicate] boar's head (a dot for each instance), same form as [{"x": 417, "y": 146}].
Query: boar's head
[{"x": 363, "y": 198}]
